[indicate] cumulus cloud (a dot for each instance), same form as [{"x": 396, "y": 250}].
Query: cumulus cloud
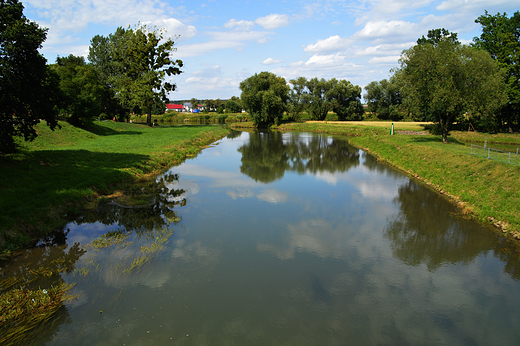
[
  {"x": 333, "y": 43},
  {"x": 387, "y": 29},
  {"x": 239, "y": 24},
  {"x": 271, "y": 61},
  {"x": 273, "y": 21},
  {"x": 219, "y": 40}
]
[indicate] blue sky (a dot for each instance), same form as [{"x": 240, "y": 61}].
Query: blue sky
[{"x": 223, "y": 42}]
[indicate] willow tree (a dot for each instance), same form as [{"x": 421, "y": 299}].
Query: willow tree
[
  {"x": 265, "y": 96},
  {"x": 443, "y": 79}
]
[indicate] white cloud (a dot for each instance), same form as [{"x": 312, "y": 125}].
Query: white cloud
[
  {"x": 271, "y": 61},
  {"x": 273, "y": 21},
  {"x": 219, "y": 40},
  {"x": 333, "y": 43},
  {"x": 239, "y": 24},
  {"x": 385, "y": 60},
  {"x": 389, "y": 30},
  {"x": 174, "y": 27}
]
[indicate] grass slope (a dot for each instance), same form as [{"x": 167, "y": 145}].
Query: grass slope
[
  {"x": 64, "y": 170},
  {"x": 486, "y": 189}
]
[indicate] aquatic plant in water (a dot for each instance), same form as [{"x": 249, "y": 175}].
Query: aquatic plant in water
[{"x": 23, "y": 311}]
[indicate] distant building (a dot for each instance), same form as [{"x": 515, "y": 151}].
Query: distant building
[{"x": 174, "y": 107}]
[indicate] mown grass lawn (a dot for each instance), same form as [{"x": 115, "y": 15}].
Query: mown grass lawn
[{"x": 64, "y": 170}]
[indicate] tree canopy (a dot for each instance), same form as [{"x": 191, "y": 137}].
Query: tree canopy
[
  {"x": 384, "y": 98},
  {"x": 81, "y": 91},
  {"x": 265, "y": 96},
  {"x": 135, "y": 63},
  {"x": 27, "y": 88},
  {"x": 444, "y": 79},
  {"x": 501, "y": 38}
]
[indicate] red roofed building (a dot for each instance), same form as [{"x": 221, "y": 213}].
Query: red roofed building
[{"x": 175, "y": 107}]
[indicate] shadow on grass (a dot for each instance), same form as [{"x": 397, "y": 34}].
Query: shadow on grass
[
  {"x": 106, "y": 131},
  {"x": 51, "y": 179},
  {"x": 435, "y": 139}
]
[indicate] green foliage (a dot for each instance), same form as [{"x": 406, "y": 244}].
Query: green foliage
[
  {"x": 501, "y": 38},
  {"x": 384, "y": 98},
  {"x": 297, "y": 98},
  {"x": 442, "y": 81},
  {"x": 81, "y": 89},
  {"x": 318, "y": 103},
  {"x": 135, "y": 63},
  {"x": 233, "y": 106},
  {"x": 346, "y": 100},
  {"x": 265, "y": 95},
  {"x": 27, "y": 88}
]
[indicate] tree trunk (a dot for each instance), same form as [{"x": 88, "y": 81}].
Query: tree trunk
[{"x": 149, "y": 117}]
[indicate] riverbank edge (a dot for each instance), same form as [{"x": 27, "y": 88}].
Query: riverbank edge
[
  {"x": 363, "y": 136},
  {"x": 187, "y": 148}
]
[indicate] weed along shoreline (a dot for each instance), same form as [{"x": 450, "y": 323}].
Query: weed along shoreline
[
  {"x": 487, "y": 190},
  {"x": 71, "y": 169}
]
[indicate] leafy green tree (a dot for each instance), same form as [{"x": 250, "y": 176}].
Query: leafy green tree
[
  {"x": 233, "y": 106},
  {"x": 501, "y": 38},
  {"x": 446, "y": 79},
  {"x": 298, "y": 97},
  {"x": 104, "y": 55},
  {"x": 265, "y": 95},
  {"x": 81, "y": 89},
  {"x": 345, "y": 99},
  {"x": 136, "y": 63},
  {"x": 27, "y": 87},
  {"x": 384, "y": 98},
  {"x": 318, "y": 100},
  {"x": 194, "y": 103}
]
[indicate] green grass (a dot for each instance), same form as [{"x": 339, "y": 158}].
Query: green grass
[
  {"x": 486, "y": 189},
  {"x": 63, "y": 171}
]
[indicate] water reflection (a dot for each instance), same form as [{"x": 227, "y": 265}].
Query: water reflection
[
  {"x": 428, "y": 230},
  {"x": 154, "y": 211},
  {"x": 267, "y": 156}
]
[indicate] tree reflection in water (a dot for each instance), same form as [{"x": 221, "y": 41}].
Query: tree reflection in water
[
  {"x": 267, "y": 156},
  {"x": 154, "y": 212},
  {"x": 429, "y": 231},
  {"x": 45, "y": 265}
]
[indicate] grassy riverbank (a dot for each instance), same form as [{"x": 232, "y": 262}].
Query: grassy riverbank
[
  {"x": 70, "y": 169},
  {"x": 486, "y": 189}
]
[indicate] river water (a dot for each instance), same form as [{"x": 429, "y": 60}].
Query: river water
[{"x": 280, "y": 239}]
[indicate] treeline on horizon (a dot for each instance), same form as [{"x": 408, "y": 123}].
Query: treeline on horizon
[{"x": 438, "y": 80}]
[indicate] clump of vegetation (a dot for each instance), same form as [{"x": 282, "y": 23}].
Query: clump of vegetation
[{"x": 23, "y": 312}]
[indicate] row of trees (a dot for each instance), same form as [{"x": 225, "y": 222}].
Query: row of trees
[
  {"x": 267, "y": 97},
  {"x": 441, "y": 80},
  {"x": 126, "y": 72}
]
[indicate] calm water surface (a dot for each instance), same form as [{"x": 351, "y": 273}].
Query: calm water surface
[{"x": 282, "y": 239}]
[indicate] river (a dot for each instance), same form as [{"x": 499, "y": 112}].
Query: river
[{"x": 280, "y": 239}]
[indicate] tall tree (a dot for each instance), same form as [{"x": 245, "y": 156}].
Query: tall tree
[
  {"x": 318, "y": 101},
  {"x": 384, "y": 98},
  {"x": 297, "y": 98},
  {"x": 81, "y": 89},
  {"x": 136, "y": 62},
  {"x": 345, "y": 98},
  {"x": 26, "y": 85},
  {"x": 501, "y": 38},
  {"x": 446, "y": 79},
  {"x": 265, "y": 95}
]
